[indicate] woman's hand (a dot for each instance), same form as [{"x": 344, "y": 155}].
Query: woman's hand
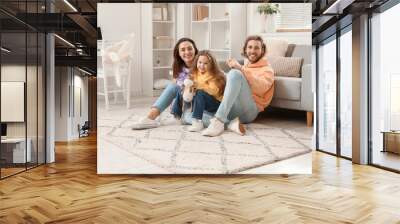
[{"x": 233, "y": 63}]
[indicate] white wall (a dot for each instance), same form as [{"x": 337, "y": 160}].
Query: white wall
[
  {"x": 68, "y": 80},
  {"x": 15, "y": 73},
  {"x": 80, "y": 83},
  {"x": 117, "y": 21},
  {"x": 62, "y": 82}
]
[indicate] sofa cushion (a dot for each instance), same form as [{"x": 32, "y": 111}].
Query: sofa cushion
[
  {"x": 290, "y": 50},
  {"x": 276, "y": 47},
  {"x": 286, "y": 66},
  {"x": 287, "y": 88},
  {"x": 303, "y": 51}
]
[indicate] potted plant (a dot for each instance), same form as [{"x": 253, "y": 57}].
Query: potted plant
[{"x": 268, "y": 12}]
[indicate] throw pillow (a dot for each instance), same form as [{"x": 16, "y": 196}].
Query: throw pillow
[
  {"x": 286, "y": 66},
  {"x": 276, "y": 47}
]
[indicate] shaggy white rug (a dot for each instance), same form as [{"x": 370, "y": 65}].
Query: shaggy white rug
[{"x": 171, "y": 149}]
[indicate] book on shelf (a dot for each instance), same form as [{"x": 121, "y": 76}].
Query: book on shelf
[
  {"x": 160, "y": 13},
  {"x": 200, "y": 12}
]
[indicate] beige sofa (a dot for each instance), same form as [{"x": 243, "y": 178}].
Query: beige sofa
[{"x": 296, "y": 92}]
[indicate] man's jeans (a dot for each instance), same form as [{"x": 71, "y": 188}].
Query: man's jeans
[{"x": 238, "y": 100}]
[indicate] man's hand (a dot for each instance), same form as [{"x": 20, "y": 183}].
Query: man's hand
[{"x": 233, "y": 63}]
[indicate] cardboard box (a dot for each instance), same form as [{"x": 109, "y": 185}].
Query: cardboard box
[{"x": 202, "y": 12}]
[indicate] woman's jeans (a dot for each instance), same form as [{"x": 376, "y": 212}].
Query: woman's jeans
[
  {"x": 237, "y": 101},
  {"x": 203, "y": 101},
  {"x": 167, "y": 96}
]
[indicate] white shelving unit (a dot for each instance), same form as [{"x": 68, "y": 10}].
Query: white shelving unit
[
  {"x": 164, "y": 38},
  {"x": 222, "y": 32}
]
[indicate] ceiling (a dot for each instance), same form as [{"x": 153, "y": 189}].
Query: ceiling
[{"x": 332, "y": 15}]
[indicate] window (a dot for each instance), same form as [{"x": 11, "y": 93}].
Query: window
[
  {"x": 385, "y": 88},
  {"x": 346, "y": 93},
  {"x": 294, "y": 16},
  {"x": 327, "y": 96}
]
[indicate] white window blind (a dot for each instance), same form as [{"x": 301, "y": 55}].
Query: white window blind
[{"x": 294, "y": 16}]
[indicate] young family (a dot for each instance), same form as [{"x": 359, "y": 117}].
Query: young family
[{"x": 220, "y": 101}]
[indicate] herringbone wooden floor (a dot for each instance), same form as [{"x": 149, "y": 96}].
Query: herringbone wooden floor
[{"x": 70, "y": 191}]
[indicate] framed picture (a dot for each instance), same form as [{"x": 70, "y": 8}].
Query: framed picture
[{"x": 157, "y": 13}]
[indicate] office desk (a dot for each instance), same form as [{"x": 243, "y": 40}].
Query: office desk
[{"x": 15, "y": 148}]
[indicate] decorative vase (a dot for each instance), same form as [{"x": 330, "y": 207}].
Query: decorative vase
[
  {"x": 263, "y": 23},
  {"x": 270, "y": 23}
]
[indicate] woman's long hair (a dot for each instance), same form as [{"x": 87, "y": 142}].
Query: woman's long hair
[
  {"x": 178, "y": 63},
  {"x": 213, "y": 70}
]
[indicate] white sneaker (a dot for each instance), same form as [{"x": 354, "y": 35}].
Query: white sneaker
[
  {"x": 145, "y": 123},
  {"x": 171, "y": 121},
  {"x": 216, "y": 128},
  {"x": 237, "y": 127},
  {"x": 197, "y": 125}
]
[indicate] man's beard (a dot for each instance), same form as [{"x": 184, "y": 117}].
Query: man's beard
[{"x": 256, "y": 60}]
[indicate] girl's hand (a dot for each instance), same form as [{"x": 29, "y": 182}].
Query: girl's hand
[{"x": 233, "y": 63}]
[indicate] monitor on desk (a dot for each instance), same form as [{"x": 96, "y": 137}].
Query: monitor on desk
[{"x": 3, "y": 130}]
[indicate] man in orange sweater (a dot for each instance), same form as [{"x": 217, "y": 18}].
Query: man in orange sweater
[{"x": 249, "y": 89}]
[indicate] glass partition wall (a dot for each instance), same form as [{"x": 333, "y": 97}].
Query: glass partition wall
[{"x": 22, "y": 88}]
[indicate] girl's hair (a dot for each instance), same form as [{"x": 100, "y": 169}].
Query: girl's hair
[
  {"x": 178, "y": 63},
  {"x": 257, "y": 38},
  {"x": 213, "y": 69}
]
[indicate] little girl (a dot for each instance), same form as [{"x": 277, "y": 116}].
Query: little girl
[{"x": 209, "y": 84}]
